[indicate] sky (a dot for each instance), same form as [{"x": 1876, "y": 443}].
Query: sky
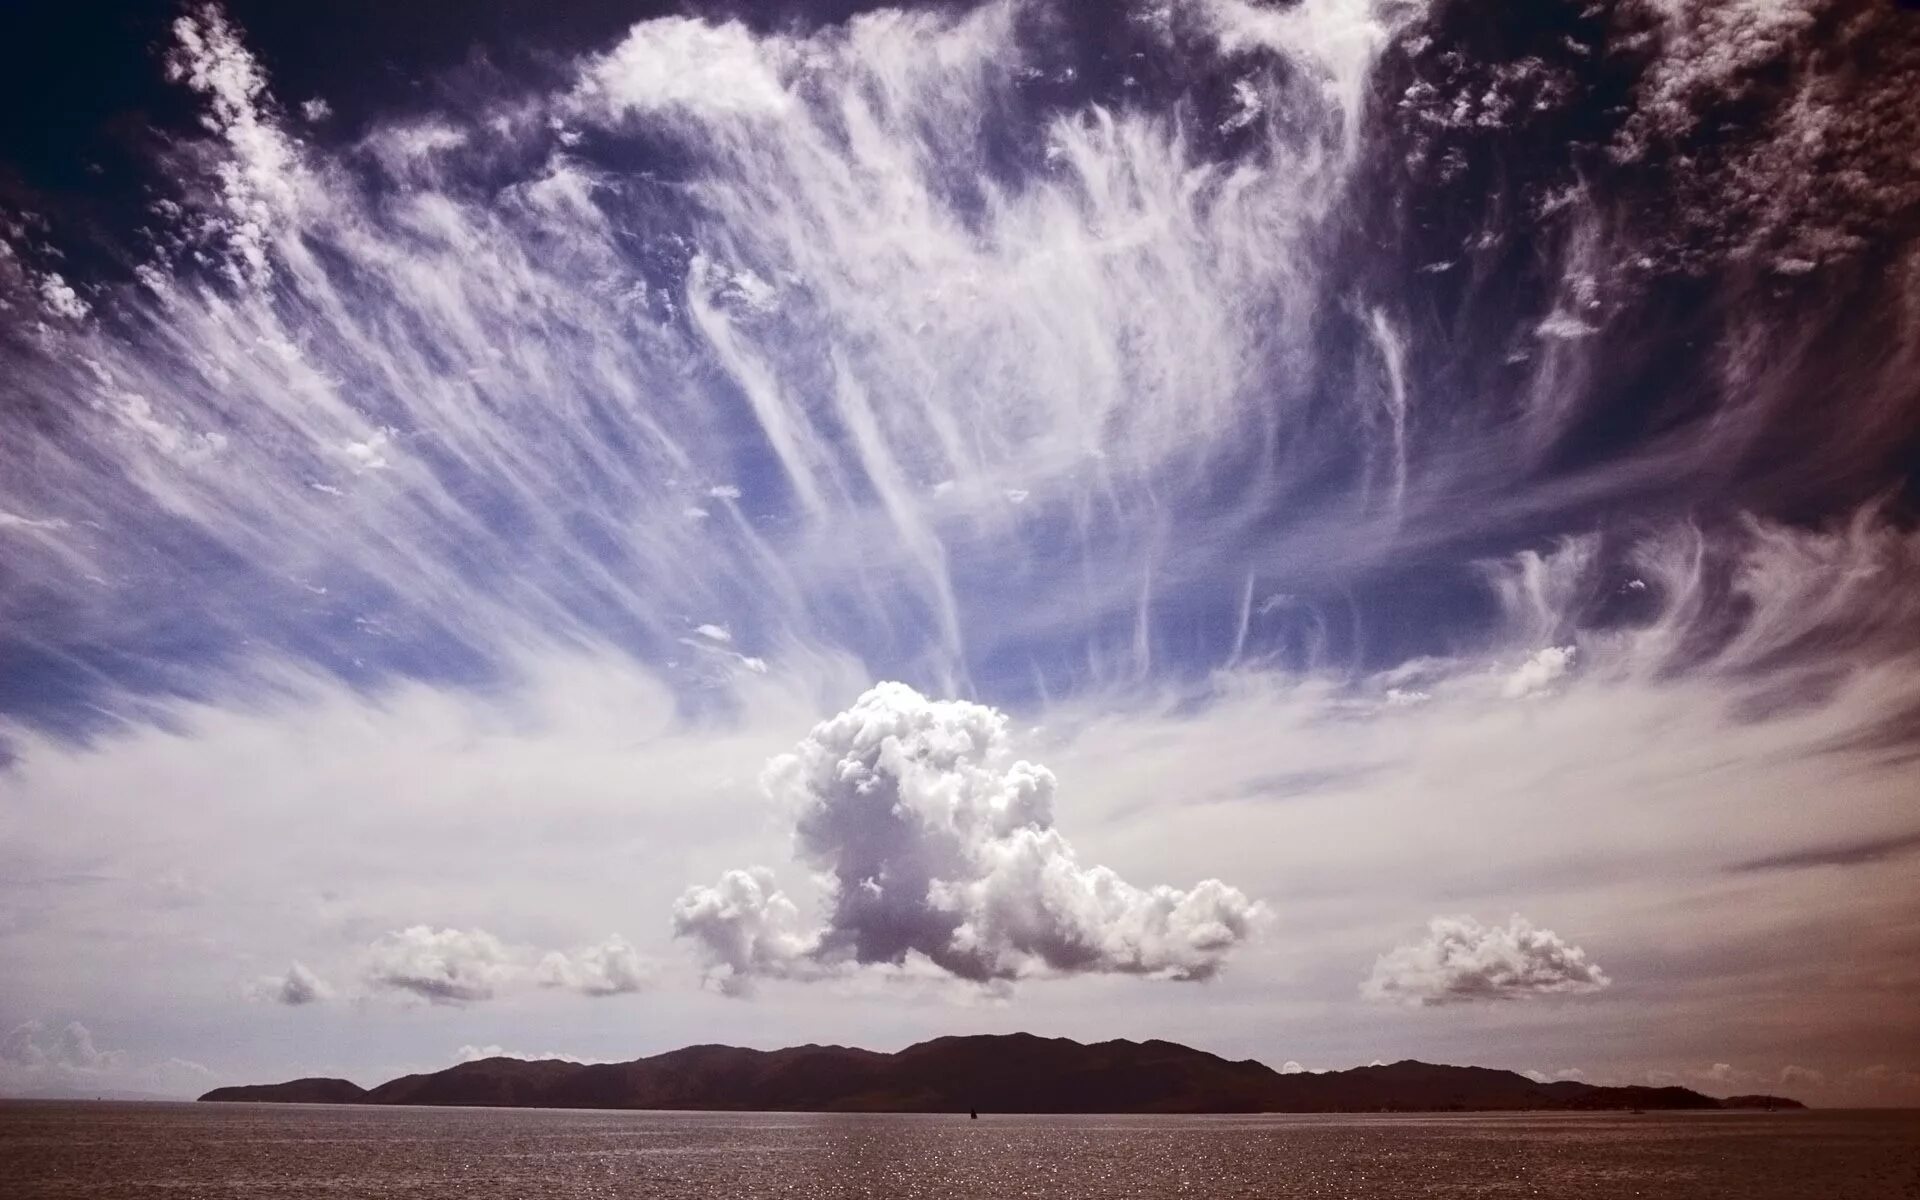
[{"x": 1328, "y": 531}]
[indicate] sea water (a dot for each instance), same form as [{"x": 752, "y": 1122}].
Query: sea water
[{"x": 106, "y": 1151}]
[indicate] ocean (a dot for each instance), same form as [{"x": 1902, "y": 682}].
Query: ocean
[{"x": 105, "y": 1151}]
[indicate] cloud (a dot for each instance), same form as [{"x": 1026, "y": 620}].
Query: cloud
[
  {"x": 1565, "y": 1073},
  {"x": 746, "y": 928},
  {"x": 1538, "y": 673},
  {"x": 453, "y": 966},
  {"x": 59, "y": 299},
  {"x": 1850, "y": 854},
  {"x": 1188, "y": 352},
  {"x": 1462, "y": 961},
  {"x": 683, "y": 63},
  {"x": 935, "y": 841},
  {"x": 442, "y": 966},
  {"x": 297, "y": 987},
  {"x": 260, "y": 183},
  {"x": 37, "y": 1046},
  {"x": 1880, "y": 1083},
  {"x": 41, "y": 525},
  {"x": 472, "y": 1053},
  {"x": 611, "y": 968},
  {"x": 43, "y": 1058}
]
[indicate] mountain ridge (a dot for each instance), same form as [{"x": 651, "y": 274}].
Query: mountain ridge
[{"x": 989, "y": 1072}]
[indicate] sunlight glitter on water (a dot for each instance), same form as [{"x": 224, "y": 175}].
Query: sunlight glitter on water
[{"x": 297, "y": 1151}]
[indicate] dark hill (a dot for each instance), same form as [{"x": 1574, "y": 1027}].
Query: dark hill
[
  {"x": 1005, "y": 1073},
  {"x": 1760, "y": 1101},
  {"x": 295, "y": 1091}
]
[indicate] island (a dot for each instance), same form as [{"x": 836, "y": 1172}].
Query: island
[{"x": 1010, "y": 1073}]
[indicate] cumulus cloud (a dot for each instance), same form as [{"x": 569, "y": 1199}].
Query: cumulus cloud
[
  {"x": 297, "y": 987},
  {"x": 442, "y": 966},
  {"x": 935, "y": 841},
  {"x": 473, "y": 1053},
  {"x": 1463, "y": 961},
  {"x": 455, "y": 966},
  {"x": 58, "y": 298},
  {"x": 1539, "y": 673},
  {"x": 611, "y": 968},
  {"x": 45, "y": 1058},
  {"x": 683, "y": 63},
  {"x": 40, "y": 1047},
  {"x": 746, "y": 927}
]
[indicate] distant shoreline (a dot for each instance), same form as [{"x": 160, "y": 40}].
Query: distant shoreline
[{"x": 993, "y": 1074}]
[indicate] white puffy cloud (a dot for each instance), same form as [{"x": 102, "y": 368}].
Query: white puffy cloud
[
  {"x": 457, "y": 966},
  {"x": 682, "y": 63},
  {"x": 935, "y": 841},
  {"x": 442, "y": 966},
  {"x": 1463, "y": 961},
  {"x": 473, "y": 1053},
  {"x": 454, "y": 966},
  {"x": 611, "y": 968},
  {"x": 297, "y": 987},
  {"x": 48, "y": 1059},
  {"x": 746, "y": 927},
  {"x": 37, "y": 1046},
  {"x": 1539, "y": 673},
  {"x": 59, "y": 299}
]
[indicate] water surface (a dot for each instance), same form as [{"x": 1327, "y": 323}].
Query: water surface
[{"x": 108, "y": 1151}]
